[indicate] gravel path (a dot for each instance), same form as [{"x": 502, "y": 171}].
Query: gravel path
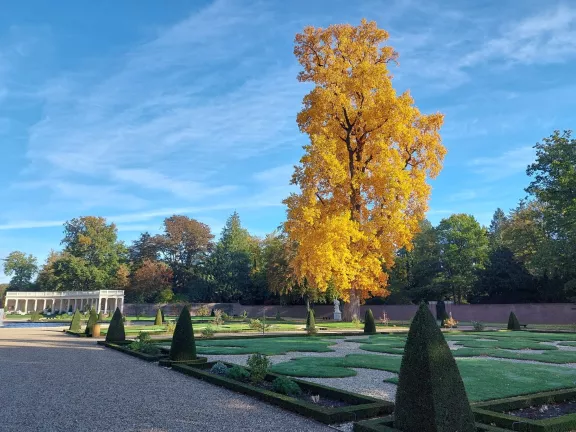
[{"x": 53, "y": 382}]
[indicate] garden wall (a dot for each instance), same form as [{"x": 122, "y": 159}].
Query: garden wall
[{"x": 530, "y": 313}]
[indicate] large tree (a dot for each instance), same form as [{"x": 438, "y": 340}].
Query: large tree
[
  {"x": 93, "y": 254},
  {"x": 21, "y": 268},
  {"x": 47, "y": 279},
  {"x": 554, "y": 186},
  {"x": 184, "y": 246},
  {"x": 463, "y": 247},
  {"x": 363, "y": 177},
  {"x": 148, "y": 281},
  {"x": 231, "y": 262}
]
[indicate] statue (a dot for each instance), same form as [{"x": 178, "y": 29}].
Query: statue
[{"x": 337, "y": 313}]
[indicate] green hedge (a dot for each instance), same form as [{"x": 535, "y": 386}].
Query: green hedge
[
  {"x": 386, "y": 424},
  {"x": 493, "y": 412},
  {"x": 124, "y": 349},
  {"x": 364, "y": 406}
]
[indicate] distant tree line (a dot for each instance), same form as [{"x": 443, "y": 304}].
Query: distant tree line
[{"x": 527, "y": 255}]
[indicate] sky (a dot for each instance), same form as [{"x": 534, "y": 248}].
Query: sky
[{"x": 140, "y": 110}]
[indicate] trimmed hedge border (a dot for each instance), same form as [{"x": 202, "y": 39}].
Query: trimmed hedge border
[
  {"x": 122, "y": 348},
  {"x": 365, "y": 406},
  {"x": 166, "y": 362},
  {"x": 386, "y": 424},
  {"x": 493, "y": 412}
]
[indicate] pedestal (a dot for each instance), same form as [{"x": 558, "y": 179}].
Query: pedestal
[{"x": 338, "y": 316}]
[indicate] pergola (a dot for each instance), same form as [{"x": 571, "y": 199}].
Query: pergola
[{"x": 64, "y": 301}]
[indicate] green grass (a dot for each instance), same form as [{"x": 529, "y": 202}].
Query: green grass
[
  {"x": 484, "y": 379},
  {"x": 268, "y": 346}
]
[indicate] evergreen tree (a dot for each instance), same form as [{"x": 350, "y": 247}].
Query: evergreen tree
[
  {"x": 75, "y": 324},
  {"x": 116, "y": 331},
  {"x": 513, "y": 323},
  {"x": 430, "y": 396},
  {"x": 310, "y": 321},
  {"x": 183, "y": 344},
  {"x": 92, "y": 319},
  {"x": 369, "y": 324},
  {"x": 159, "y": 319}
]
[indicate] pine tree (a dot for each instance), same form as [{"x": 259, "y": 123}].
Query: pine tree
[
  {"x": 75, "y": 324},
  {"x": 159, "y": 318},
  {"x": 513, "y": 323},
  {"x": 369, "y": 324},
  {"x": 116, "y": 331},
  {"x": 183, "y": 344},
  {"x": 431, "y": 396}
]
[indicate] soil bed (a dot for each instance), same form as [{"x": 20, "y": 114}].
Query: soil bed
[
  {"x": 546, "y": 411},
  {"x": 304, "y": 397}
]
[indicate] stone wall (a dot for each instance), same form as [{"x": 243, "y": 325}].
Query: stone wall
[{"x": 530, "y": 313}]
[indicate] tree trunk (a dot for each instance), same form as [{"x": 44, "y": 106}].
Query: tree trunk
[{"x": 352, "y": 307}]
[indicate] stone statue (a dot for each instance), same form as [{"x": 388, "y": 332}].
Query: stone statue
[{"x": 337, "y": 313}]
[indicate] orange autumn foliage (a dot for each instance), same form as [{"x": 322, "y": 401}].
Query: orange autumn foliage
[{"x": 363, "y": 177}]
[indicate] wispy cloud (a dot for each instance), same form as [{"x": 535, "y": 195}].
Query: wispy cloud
[
  {"x": 507, "y": 164},
  {"x": 546, "y": 37},
  {"x": 164, "y": 110}
]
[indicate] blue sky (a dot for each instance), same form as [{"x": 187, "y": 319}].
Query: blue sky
[{"x": 139, "y": 110}]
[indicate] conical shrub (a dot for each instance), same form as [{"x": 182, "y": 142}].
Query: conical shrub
[
  {"x": 369, "y": 324},
  {"x": 163, "y": 317},
  {"x": 310, "y": 321},
  {"x": 183, "y": 344},
  {"x": 441, "y": 314},
  {"x": 430, "y": 396},
  {"x": 92, "y": 319},
  {"x": 100, "y": 317},
  {"x": 158, "y": 320},
  {"x": 75, "y": 324},
  {"x": 116, "y": 331},
  {"x": 513, "y": 323}
]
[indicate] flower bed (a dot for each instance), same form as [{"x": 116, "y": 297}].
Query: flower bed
[
  {"x": 539, "y": 412},
  {"x": 339, "y": 406}
]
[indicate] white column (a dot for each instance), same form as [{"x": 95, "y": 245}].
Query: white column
[
  {"x": 122, "y": 305},
  {"x": 25, "y": 305},
  {"x": 106, "y": 305},
  {"x": 98, "y": 304}
]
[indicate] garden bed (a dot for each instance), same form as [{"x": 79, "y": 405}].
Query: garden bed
[
  {"x": 386, "y": 424},
  {"x": 123, "y": 347},
  {"x": 541, "y": 412},
  {"x": 166, "y": 362},
  {"x": 345, "y": 406}
]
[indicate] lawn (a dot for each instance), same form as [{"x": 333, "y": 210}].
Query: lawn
[{"x": 484, "y": 379}]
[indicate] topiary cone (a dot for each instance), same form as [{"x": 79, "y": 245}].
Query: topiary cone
[
  {"x": 158, "y": 320},
  {"x": 75, "y": 324},
  {"x": 513, "y": 323},
  {"x": 310, "y": 320},
  {"x": 430, "y": 396},
  {"x": 369, "y": 324},
  {"x": 116, "y": 331},
  {"x": 183, "y": 344},
  {"x": 100, "y": 316},
  {"x": 163, "y": 317},
  {"x": 92, "y": 319}
]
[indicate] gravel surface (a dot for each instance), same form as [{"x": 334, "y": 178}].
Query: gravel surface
[{"x": 53, "y": 382}]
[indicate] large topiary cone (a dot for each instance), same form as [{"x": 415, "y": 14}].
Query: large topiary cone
[
  {"x": 310, "y": 321},
  {"x": 158, "y": 320},
  {"x": 513, "y": 323},
  {"x": 92, "y": 319},
  {"x": 430, "y": 395},
  {"x": 116, "y": 331},
  {"x": 75, "y": 324},
  {"x": 163, "y": 317},
  {"x": 183, "y": 343},
  {"x": 369, "y": 324}
]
